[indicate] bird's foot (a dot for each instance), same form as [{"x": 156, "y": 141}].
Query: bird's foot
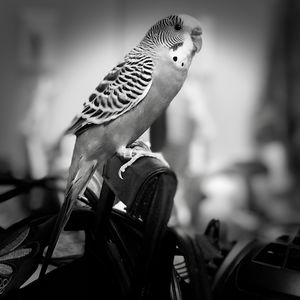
[{"x": 136, "y": 151}]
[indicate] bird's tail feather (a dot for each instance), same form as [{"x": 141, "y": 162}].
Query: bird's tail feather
[{"x": 75, "y": 189}]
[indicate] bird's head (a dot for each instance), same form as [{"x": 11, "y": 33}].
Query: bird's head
[{"x": 174, "y": 31}]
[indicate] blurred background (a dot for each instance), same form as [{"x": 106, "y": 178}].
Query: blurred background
[{"x": 232, "y": 134}]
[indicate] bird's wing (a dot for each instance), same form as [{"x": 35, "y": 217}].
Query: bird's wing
[{"x": 121, "y": 90}]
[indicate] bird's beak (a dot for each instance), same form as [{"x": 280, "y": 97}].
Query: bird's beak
[{"x": 196, "y": 36}]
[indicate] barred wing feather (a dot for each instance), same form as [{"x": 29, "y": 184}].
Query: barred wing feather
[{"x": 122, "y": 89}]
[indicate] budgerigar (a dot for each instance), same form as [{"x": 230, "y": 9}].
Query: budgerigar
[{"x": 125, "y": 104}]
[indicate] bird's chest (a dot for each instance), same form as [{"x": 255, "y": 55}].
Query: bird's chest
[
  {"x": 170, "y": 73},
  {"x": 168, "y": 79}
]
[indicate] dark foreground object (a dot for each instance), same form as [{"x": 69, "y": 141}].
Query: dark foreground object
[{"x": 134, "y": 254}]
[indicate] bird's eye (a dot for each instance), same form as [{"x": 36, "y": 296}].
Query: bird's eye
[{"x": 177, "y": 27}]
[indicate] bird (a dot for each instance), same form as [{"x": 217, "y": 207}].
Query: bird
[{"x": 125, "y": 104}]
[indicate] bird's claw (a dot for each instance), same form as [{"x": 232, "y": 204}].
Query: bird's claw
[
  {"x": 121, "y": 170},
  {"x": 136, "y": 154}
]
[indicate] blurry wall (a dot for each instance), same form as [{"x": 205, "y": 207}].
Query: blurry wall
[{"x": 89, "y": 37}]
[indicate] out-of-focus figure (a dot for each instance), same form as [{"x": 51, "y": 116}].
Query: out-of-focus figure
[
  {"x": 35, "y": 126},
  {"x": 39, "y": 146},
  {"x": 190, "y": 129},
  {"x": 277, "y": 129}
]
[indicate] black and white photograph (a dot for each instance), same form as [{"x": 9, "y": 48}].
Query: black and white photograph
[{"x": 150, "y": 149}]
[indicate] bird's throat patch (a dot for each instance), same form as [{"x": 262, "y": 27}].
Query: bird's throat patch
[{"x": 181, "y": 54}]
